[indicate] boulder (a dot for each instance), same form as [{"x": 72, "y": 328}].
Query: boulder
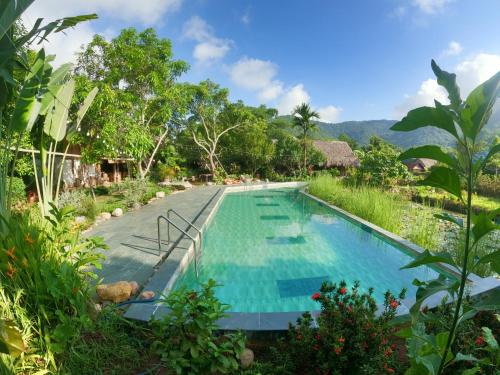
[
  {"x": 246, "y": 358},
  {"x": 116, "y": 292},
  {"x": 80, "y": 219},
  {"x": 147, "y": 294},
  {"x": 160, "y": 194},
  {"x": 136, "y": 205},
  {"x": 105, "y": 215},
  {"x": 117, "y": 212}
]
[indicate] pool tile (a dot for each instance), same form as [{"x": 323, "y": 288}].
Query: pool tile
[{"x": 300, "y": 287}]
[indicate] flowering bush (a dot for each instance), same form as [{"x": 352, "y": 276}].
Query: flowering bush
[{"x": 349, "y": 337}]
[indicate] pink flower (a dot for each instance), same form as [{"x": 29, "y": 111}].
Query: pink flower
[{"x": 316, "y": 296}]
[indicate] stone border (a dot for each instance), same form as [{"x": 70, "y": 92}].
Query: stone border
[{"x": 278, "y": 321}]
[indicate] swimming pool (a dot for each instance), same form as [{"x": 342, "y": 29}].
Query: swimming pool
[{"x": 271, "y": 250}]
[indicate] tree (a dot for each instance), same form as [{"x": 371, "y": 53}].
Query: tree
[
  {"x": 302, "y": 119},
  {"x": 249, "y": 148},
  {"x": 464, "y": 120},
  {"x": 137, "y": 75},
  {"x": 350, "y": 141},
  {"x": 213, "y": 116}
]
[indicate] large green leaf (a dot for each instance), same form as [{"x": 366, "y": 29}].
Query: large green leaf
[
  {"x": 449, "y": 82},
  {"x": 490, "y": 338},
  {"x": 492, "y": 152},
  {"x": 479, "y": 104},
  {"x": 444, "y": 178},
  {"x": 428, "y": 258},
  {"x": 27, "y": 105},
  {"x": 493, "y": 259},
  {"x": 56, "y": 120},
  {"x": 11, "y": 340},
  {"x": 482, "y": 226},
  {"x": 451, "y": 218},
  {"x": 427, "y": 116},
  {"x": 430, "y": 152},
  {"x": 85, "y": 105},
  {"x": 10, "y": 11}
]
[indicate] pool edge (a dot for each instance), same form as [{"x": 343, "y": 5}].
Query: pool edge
[{"x": 279, "y": 321}]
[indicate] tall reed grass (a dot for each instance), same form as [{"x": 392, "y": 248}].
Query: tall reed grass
[
  {"x": 387, "y": 210},
  {"x": 376, "y": 206}
]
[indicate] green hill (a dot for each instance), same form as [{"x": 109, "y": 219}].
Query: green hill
[{"x": 361, "y": 131}]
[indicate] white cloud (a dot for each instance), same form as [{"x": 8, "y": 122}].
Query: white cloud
[
  {"x": 271, "y": 92},
  {"x": 470, "y": 73},
  {"x": 475, "y": 70},
  {"x": 209, "y": 47},
  {"x": 431, "y": 6},
  {"x": 429, "y": 90},
  {"x": 245, "y": 19},
  {"x": 257, "y": 75},
  {"x": 330, "y": 113},
  {"x": 291, "y": 98},
  {"x": 454, "y": 48},
  {"x": 65, "y": 45}
]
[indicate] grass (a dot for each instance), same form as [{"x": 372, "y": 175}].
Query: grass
[
  {"x": 374, "y": 205},
  {"x": 387, "y": 210},
  {"x": 112, "y": 345}
]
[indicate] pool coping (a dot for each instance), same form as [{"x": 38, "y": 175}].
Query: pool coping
[{"x": 279, "y": 321}]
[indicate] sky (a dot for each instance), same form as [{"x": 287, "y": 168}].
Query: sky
[{"x": 351, "y": 60}]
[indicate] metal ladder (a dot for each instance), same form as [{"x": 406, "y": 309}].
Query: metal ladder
[{"x": 196, "y": 246}]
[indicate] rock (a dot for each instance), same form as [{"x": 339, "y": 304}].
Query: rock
[
  {"x": 117, "y": 212},
  {"x": 210, "y": 183},
  {"x": 164, "y": 183},
  {"x": 116, "y": 292},
  {"x": 160, "y": 194},
  {"x": 105, "y": 215},
  {"x": 80, "y": 219},
  {"x": 152, "y": 200},
  {"x": 136, "y": 205},
  {"x": 147, "y": 294},
  {"x": 246, "y": 358},
  {"x": 135, "y": 287}
]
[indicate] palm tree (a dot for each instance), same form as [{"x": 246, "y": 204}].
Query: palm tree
[{"x": 302, "y": 119}]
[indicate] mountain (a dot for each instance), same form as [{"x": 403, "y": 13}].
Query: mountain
[{"x": 361, "y": 131}]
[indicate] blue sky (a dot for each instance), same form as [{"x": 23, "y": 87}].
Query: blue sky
[{"x": 352, "y": 60}]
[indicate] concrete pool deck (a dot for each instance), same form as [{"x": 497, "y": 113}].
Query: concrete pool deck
[{"x": 132, "y": 238}]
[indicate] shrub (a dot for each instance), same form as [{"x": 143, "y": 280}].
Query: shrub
[
  {"x": 349, "y": 337},
  {"x": 49, "y": 264},
  {"x": 101, "y": 190},
  {"x": 488, "y": 185},
  {"x": 18, "y": 190},
  {"x": 187, "y": 340},
  {"x": 72, "y": 198}
]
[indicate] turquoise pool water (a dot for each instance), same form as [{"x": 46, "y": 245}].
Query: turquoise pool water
[{"x": 272, "y": 249}]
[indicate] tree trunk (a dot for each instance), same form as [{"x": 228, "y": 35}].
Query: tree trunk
[
  {"x": 213, "y": 164},
  {"x": 140, "y": 170}
]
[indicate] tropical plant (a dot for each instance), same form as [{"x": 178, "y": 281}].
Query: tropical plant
[
  {"x": 464, "y": 120},
  {"x": 303, "y": 117},
  {"x": 24, "y": 93},
  {"x": 349, "y": 337},
  {"x": 186, "y": 338},
  {"x": 50, "y": 264}
]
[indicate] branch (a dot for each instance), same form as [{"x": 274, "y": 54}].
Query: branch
[{"x": 162, "y": 137}]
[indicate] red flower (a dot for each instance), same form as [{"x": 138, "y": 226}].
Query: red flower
[
  {"x": 318, "y": 337},
  {"x": 388, "y": 352},
  {"x": 342, "y": 290},
  {"x": 316, "y": 296},
  {"x": 338, "y": 350},
  {"x": 394, "y": 304},
  {"x": 341, "y": 339},
  {"x": 388, "y": 369},
  {"x": 479, "y": 341},
  {"x": 299, "y": 337}
]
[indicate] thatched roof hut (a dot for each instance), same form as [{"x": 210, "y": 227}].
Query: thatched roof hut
[
  {"x": 338, "y": 154},
  {"x": 419, "y": 164}
]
